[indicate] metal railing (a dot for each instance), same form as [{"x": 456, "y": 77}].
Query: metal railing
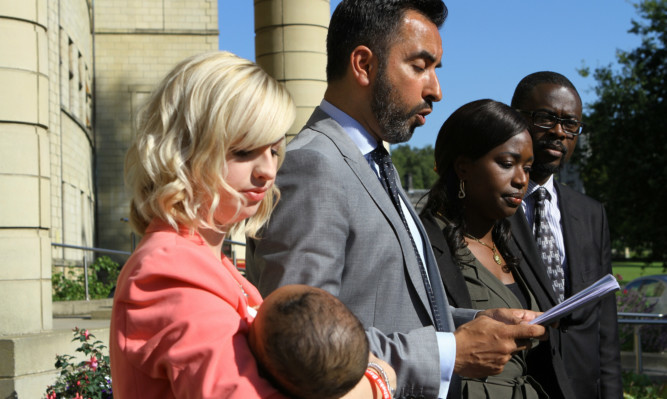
[
  {"x": 123, "y": 253},
  {"x": 85, "y": 259},
  {"x": 648, "y": 319}
]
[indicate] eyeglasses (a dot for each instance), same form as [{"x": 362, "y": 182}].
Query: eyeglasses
[{"x": 547, "y": 120}]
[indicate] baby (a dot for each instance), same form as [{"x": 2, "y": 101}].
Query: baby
[{"x": 309, "y": 342}]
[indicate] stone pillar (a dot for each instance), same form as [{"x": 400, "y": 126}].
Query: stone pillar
[
  {"x": 25, "y": 253},
  {"x": 290, "y": 44}
]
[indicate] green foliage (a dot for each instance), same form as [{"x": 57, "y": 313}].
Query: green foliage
[
  {"x": 631, "y": 270},
  {"x": 418, "y": 162},
  {"x": 90, "y": 378},
  {"x": 624, "y": 144},
  {"x": 72, "y": 286},
  {"x": 640, "y": 386}
]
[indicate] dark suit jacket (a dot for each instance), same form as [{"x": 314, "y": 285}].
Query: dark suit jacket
[
  {"x": 550, "y": 363},
  {"x": 587, "y": 340}
]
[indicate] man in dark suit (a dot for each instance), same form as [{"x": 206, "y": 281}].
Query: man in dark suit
[
  {"x": 564, "y": 238},
  {"x": 336, "y": 227}
]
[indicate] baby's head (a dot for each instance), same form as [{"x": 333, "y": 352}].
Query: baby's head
[{"x": 309, "y": 342}]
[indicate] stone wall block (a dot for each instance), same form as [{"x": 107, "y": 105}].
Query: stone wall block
[
  {"x": 305, "y": 66},
  {"x": 273, "y": 64},
  {"x": 311, "y": 12},
  {"x": 18, "y": 39},
  {"x": 19, "y": 100},
  {"x": 269, "y": 40},
  {"x": 305, "y": 38},
  {"x": 21, "y": 306},
  {"x": 21, "y": 255},
  {"x": 19, "y": 150},
  {"x": 306, "y": 93},
  {"x": 268, "y": 13},
  {"x": 19, "y": 9},
  {"x": 19, "y": 207}
]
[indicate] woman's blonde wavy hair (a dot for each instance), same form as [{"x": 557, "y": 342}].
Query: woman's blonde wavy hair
[{"x": 207, "y": 107}]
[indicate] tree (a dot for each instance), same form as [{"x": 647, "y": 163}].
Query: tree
[
  {"x": 625, "y": 146},
  {"x": 416, "y": 162}
]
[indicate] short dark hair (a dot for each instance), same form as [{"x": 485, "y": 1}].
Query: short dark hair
[
  {"x": 315, "y": 347},
  {"x": 372, "y": 23},
  {"x": 471, "y": 131},
  {"x": 526, "y": 85}
]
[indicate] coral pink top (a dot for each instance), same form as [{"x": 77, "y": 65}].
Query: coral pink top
[{"x": 180, "y": 323}]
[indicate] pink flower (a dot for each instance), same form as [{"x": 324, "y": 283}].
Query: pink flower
[
  {"x": 86, "y": 334},
  {"x": 93, "y": 363},
  {"x": 78, "y": 396},
  {"x": 52, "y": 395}
]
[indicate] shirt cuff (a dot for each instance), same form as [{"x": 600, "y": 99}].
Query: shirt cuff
[{"x": 447, "y": 351}]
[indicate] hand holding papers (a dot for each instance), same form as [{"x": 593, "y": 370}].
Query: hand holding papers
[{"x": 595, "y": 291}]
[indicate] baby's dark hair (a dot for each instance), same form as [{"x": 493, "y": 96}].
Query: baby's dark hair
[{"x": 313, "y": 346}]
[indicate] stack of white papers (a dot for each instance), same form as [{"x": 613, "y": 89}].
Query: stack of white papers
[{"x": 595, "y": 291}]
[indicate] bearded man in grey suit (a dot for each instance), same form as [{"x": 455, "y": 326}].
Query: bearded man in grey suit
[
  {"x": 337, "y": 228},
  {"x": 587, "y": 340}
]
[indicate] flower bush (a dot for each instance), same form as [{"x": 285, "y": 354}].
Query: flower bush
[{"x": 87, "y": 379}]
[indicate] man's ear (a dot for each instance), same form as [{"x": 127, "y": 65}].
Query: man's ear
[
  {"x": 462, "y": 167},
  {"x": 364, "y": 65}
]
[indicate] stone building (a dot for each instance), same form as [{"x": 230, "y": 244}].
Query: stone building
[{"x": 73, "y": 73}]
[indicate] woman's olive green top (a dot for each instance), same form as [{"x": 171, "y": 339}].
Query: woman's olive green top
[{"x": 487, "y": 292}]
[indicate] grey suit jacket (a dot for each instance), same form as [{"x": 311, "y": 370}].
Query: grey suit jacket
[
  {"x": 336, "y": 228},
  {"x": 588, "y": 339}
]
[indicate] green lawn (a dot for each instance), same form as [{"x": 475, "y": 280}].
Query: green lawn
[{"x": 631, "y": 270}]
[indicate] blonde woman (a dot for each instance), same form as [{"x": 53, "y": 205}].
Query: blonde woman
[{"x": 209, "y": 143}]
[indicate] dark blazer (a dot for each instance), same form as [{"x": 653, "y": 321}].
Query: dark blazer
[
  {"x": 550, "y": 365},
  {"x": 587, "y": 340}
]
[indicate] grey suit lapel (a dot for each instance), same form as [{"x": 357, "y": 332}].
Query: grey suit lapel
[{"x": 324, "y": 124}]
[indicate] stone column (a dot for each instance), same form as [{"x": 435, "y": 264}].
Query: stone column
[
  {"x": 290, "y": 44},
  {"x": 25, "y": 253}
]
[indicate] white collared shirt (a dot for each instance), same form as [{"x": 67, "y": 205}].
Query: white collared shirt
[{"x": 367, "y": 143}]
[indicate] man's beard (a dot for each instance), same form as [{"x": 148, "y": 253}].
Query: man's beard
[
  {"x": 394, "y": 122},
  {"x": 547, "y": 169}
]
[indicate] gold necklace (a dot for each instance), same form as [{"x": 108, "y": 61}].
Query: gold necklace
[{"x": 496, "y": 256}]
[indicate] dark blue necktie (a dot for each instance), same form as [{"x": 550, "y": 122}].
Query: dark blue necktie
[{"x": 389, "y": 181}]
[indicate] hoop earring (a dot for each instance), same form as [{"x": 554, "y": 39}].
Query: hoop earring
[{"x": 462, "y": 189}]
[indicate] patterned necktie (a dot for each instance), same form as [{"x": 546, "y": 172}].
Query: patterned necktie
[
  {"x": 546, "y": 243},
  {"x": 389, "y": 182}
]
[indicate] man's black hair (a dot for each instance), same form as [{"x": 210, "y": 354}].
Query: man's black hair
[
  {"x": 526, "y": 85},
  {"x": 372, "y": 23}
]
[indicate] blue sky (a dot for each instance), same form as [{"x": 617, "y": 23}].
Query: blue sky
[{"x": 489, "y": 45}]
